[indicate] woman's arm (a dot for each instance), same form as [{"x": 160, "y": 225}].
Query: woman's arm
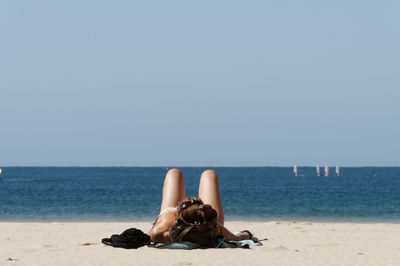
[
  {"x": 160, "y": 231},
  {"x": 160, "y": 234},
  {"x": 228, "y": 235}
]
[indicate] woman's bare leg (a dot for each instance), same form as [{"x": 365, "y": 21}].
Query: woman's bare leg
[
  {"x": 173, "y": 189},
  {"x": 209, "y": 192},
  {"x": 173, "y": 192}
]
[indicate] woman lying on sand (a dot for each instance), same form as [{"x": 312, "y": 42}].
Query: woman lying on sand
[{"x": 199, "y": 220}]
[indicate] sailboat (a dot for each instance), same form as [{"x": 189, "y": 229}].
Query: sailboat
[
  {"x": 326, "y": 171},
  {"x": 337, "y": 171},
  {"x": 318, "y": 172},
  {"x": 296, "y": 173},
  {"x": 1, "y": 171}
]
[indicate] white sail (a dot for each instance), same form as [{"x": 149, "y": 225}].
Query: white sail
[
  {"x": 295, "y": 170},
  {"x": 318, "y": 172},
  {"x": 0, "y": 171},
  {"x": 337, "y": 171},
  {"x": 326, "y": 170}
]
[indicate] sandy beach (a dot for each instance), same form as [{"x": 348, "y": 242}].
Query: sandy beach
[{"x": 289, "y": 243}]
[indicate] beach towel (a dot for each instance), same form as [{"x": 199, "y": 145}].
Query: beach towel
[{"x": 222, "y": 244}]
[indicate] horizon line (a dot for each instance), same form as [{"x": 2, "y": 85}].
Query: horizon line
[{"x": 194, "y": 166}]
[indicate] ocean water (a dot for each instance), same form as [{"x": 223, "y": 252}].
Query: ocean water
[{"x": 367, "y": 194}]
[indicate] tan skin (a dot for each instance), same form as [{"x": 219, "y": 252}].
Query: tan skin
[{"x": 174, "y": 192}]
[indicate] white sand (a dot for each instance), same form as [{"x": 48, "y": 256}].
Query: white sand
[{"x": 290, "y": 243}]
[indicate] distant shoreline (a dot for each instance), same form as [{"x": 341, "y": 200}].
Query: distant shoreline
[
  {"x": 169, "y": 167},
  {"x": 150, "y": 221}
]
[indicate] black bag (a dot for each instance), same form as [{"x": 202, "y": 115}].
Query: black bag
[{"x": 130, "y": 238}]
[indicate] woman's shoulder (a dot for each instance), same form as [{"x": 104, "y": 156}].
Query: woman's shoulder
[
  {"x": 168, "y": 209},
  {"x": 160, "y": 229}
]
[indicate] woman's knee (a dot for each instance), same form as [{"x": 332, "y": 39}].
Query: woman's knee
[
  {"x": 174, "y": 174},
  {"x": 209, "y": 175},
  {"x": 174, "y": 171}
]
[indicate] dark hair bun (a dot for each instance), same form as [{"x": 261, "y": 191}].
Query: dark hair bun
[{"x": 206, "y": 213}]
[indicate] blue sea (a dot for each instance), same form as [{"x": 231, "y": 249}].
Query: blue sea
[{"x": 366, "y": 194}]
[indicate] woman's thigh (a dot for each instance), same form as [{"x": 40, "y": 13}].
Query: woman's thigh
[
  {"x": 209, "y": 192},
  {"x": 173, "y": 189}
]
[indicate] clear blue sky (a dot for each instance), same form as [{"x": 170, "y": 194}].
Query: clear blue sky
[{"x": 199, "y": 83}]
